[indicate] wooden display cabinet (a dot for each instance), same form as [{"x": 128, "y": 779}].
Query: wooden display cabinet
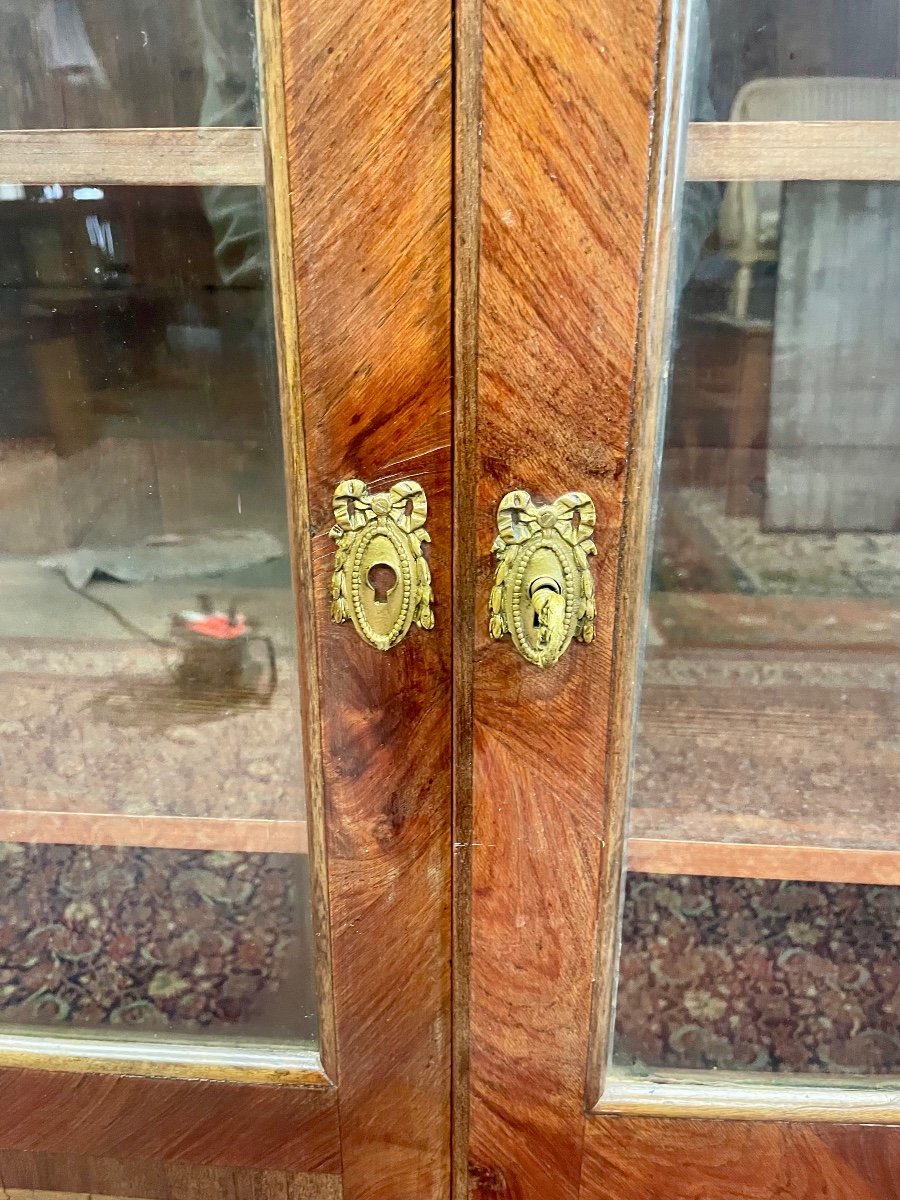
[
  {"x": 370, "y": 904},
  {"x": 356, "y": 290}
]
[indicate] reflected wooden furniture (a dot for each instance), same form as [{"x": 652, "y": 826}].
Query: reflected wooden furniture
[
  {"x": 719, "y": 409},
  {"x": 751, "y": 209},
  {"x": 136, "y": 157},
  {"x": 782, "y": 781}
]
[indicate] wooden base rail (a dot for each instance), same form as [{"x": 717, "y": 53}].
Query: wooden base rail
[
  {"x": 781, "y": 150},
  {"x": 748, "y": 860},
  {"x": 158, "y": 157},
  {"x": 156, "y": 832}
]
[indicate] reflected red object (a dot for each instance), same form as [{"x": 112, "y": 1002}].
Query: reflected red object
[{"x": 217, "y": 625}]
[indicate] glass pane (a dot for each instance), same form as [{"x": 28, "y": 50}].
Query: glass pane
[
  {"x": 799, "y": 60},
  {"x": 69, "y": 64},
  {"x": 152, "y": 831},
  {"x": 759, "y": 975},
  {"x": 760, "y": 927}
]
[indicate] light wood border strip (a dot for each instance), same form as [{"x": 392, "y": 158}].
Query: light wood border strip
[
  {"x": 466, "y": 249},
  {"x": 71, "y": 1177},
  {"x": 158, "y": 157},
  {"x": 732, "y": 1096},
  {"x": 42, "y": 1194},
  {"x": 283, "y": 265},
  {"x": 651, "y": 381},
  {"x": 288, "y": 1187},
  {"x": 780, "y": 150},
  {"x": 156, "y": 832},
  {"x": 751, "y": 860}
]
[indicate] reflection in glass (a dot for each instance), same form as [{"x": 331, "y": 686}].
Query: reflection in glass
[
  {"x": 770, "y": 681},
  {"x": 778, "y": 61},
  {"x": 83, "y": 64},
  {"x": 147, "y": 636},
  {"x": 759, "y": 975}
]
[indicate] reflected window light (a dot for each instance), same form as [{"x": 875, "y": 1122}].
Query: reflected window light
[
  {"x": 52, "y": 191},
  {"x": 88, "y": 193},
  {"x": 100, "y": 235}
]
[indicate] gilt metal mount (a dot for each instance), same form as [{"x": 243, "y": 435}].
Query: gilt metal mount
[
  {"x": 381, "y": 578},
  {"x": 543, "y": 594}
]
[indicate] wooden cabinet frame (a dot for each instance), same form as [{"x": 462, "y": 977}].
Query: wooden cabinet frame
[{"x": 502, "y": 215}]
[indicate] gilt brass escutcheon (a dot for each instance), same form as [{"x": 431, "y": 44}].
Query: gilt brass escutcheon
[
  {"x": 381, "y": 579},
  {"x": 543, "y": 594}
]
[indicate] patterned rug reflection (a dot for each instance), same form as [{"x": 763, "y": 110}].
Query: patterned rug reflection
[
  {"x": 759, "y": 975},
  {"x": 95, "y": 935}
]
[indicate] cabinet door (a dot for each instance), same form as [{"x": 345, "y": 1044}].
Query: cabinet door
[
  {"x": 681, "y": 840},
  {"x": 224, "y": 814}
]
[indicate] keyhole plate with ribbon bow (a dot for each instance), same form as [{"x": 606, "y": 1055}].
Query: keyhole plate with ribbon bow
[
  {"x": 381, "y": 530},
  {"x": 543, "y": 594}
]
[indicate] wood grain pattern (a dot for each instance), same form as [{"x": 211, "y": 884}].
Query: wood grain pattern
[
  {"x": 628, "y": 1159},
  {"x": 161, "y": 832},
  {"x": 368, "y": 98},
  {"x": 566, "y": 93},
  {"x": 62, "y": 1176},
  {"x": 774, "y": 150},
  {"x": 466, "y": 255},
  {"x": 232, "y": 1124},
  {"x": 754, "y": 860},
  {"x": 171, "y": 157}
]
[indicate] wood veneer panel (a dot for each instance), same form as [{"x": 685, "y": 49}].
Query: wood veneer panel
[
  {"x": 629, "y": 1159},
  {"x": 170, "y": 157},
  {"x": 243, "y": 1125},
  {"x": 54, "y": 1173},
  {"x": 368, "y": 104},
  {"x": 566, "y": 122},
  {"x": 62, "y": 1176}
]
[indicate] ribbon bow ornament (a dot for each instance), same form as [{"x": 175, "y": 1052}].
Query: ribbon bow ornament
[{"x": 404, "y": 506}]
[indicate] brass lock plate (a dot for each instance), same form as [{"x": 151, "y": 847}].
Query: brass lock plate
[
  {"x": 543, "y": 594},
  {"x": 381, "y": 578}
]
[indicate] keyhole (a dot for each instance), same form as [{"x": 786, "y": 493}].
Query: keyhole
[
  {"x": 549, "y": 585},
  {"x": 382, "y": 579}
]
